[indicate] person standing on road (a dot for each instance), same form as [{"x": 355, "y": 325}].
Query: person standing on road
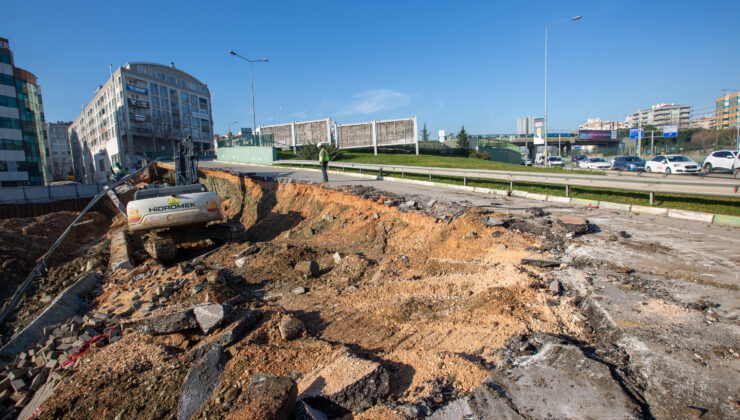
[{"x": 323, "y": 160}]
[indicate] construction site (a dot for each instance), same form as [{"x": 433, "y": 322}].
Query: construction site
[{"x": 348, "y": 301}]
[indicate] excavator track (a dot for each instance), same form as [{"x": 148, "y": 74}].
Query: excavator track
[{"x": 161, "y": 247}]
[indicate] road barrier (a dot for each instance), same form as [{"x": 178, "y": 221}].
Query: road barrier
[
  {"x": 40, "y": 194},
  {"x": 673, "y": 184}
]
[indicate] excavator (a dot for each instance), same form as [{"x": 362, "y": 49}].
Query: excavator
[{"x": 167, "y": 216}]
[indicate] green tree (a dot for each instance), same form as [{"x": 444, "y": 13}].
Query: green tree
[
  {"x": 425, "y": 133},
  {"x": 463, "y": 142},
  {"x": 310, "y": 151}
]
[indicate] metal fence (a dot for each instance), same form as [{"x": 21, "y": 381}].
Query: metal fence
[
  {"x": 255, "y": 140},
  {"x": 47, "y": 194}
]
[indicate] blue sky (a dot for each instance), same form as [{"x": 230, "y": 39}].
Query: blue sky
[{"x": 475, "y": 63}]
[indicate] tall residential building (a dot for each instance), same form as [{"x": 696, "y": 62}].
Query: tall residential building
[
  {"x": 728, "y": 110},
  {"x": 23, "y": 155},
  {"x": 60, "y": 156},
  {"x": 660, "y": 115},
  {"x": 597, "y": 124},
  {"x": 703, "y": 122},
  {"x": 525, "y": 125},
  {"x": 138, "y": 113}
]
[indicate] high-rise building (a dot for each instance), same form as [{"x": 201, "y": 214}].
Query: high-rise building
[
  {"x": 524, "y": 126},
  {"x": 728, "y": 110},
  {"x": 60, "y": 156},
  {"x": 660, "y": 115},
  {"x": 703, "y": 122},
  {"x": 23, "y": 155},
  {"x": 138, "y": 113}
]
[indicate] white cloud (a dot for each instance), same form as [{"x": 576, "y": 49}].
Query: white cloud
[{"x": 376, "y": 101}]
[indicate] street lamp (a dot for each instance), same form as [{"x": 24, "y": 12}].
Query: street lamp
[
  {"x": 273, "y": 113},
  {"x": 251, "y": 80},
  {"x": 232, "y": 122},
  {"x": 547, "y": 161}
]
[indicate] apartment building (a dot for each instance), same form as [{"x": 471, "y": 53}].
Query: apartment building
[
  {"x": 138, "y": 113},
  {"x": 60, "y": 157},
  {"x": 524, "y": 126},
  {"x": 728, "y": 110},
  {"x": 660, "y": 115},
  {"x": 23, "y": 155},
  {"x": 598, "y": 124},
  {"x": 703, "y": 122}
]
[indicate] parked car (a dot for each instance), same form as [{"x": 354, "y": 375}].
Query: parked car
[
  {"x": 628, "y": 163},
  {"x": 722, "y": 160},
  {"x": 594, "y": 163},
  {"x": 575, "y": 160},
  {"x": 736, "y": 166},
  {"x": 672, "y": 164},
  {"x": 555, "y": 161}
]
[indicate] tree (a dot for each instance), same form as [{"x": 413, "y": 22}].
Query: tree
[
  {"x": 425, "y": 133},
  {"x": 463, "y": 142}
]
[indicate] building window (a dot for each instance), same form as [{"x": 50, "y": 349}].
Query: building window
[
  {"x": 183, "y": 83},
  {"x": 165, "y": 103},
  {"x": 172, "y": 80},
  {"x": 185, "y": 109},
  {"x": 161, "y": 76},
  {"x": 157, "y": 114},
  {"x": 184, "y": 97},
  {"x": 155, "y": 101},
  {"x": 186, "y": 119},
  {"x": 154, "y": 88}
]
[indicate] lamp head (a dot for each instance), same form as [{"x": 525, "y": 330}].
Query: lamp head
[
  {"x": 232, "y": 52},
  {"x": 265, "y": 59},
  {"x": 576, "y": 18}
]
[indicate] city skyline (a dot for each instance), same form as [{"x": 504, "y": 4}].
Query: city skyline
[{"x": 481, "y": 65}]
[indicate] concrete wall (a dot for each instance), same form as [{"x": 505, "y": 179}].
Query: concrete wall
[
  {"x": 248, "y": 154},
  {"x": 502, "y": 155}
]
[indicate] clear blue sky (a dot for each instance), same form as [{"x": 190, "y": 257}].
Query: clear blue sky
[{"x": 477, "y": 63}]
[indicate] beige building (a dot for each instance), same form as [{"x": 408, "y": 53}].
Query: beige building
[
  {"x": 597, "y": 124},
  {"x": 728, "y": 110},
  {"x": 703, "y": 122},
  {"x": 138, "y": 113},
  {"x": 660, "y": 115}
]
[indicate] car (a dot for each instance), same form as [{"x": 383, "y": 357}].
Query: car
[
  {"x": 594, "y": 163},
  {"x": 671, "y": 164},
  {"x": 527, "y": 161},
  {"x": 722, "y": 160},
  {"x": 576, "y": 159},
  {"x": 555, "y": 161},
  {"x": 736, "y": 166},
  {"x": 628, "y": 163}
]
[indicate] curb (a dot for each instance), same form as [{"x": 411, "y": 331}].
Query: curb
[
  {"x": 691, "y": 215},
  {"x": 717, "y": 219}
]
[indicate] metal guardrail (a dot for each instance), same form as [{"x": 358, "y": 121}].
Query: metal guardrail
[{"x": 671, "y": 184}]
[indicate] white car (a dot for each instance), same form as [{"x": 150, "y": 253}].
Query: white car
[
  {"x": 555, "y": 161},
  {"x": 672, "y": 164},
  {"x": 594, "y": 163},
  {"x": 720, "y": 160}
]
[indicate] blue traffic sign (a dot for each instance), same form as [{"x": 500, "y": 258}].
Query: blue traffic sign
[{"x": 635, "y": 133}]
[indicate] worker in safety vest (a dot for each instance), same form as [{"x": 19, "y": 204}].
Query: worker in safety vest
[{"x": 323, "y": 160}]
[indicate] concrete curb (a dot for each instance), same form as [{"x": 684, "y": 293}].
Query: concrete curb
[
  {"x": 652, "y": 211},
  {"x": 63, "y": 307},
  {"x": 724, "y": 220},
  {"x": 718, "y": 219},
  {"x": 691, "y": 215}
]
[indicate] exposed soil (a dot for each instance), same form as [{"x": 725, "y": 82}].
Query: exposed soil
[{"x": 429, "y": 296}]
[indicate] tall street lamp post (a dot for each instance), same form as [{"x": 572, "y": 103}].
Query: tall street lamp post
[
  {"x": 547, "y": 161},
  {"x": 232, "y": 122},
  {"x": 251, "y": 81}
]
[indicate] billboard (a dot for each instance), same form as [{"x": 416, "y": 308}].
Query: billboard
[
  {"x": 377, "y": 133},
  {"x": 539, "y": 127},
  {"x": 137, "y": 89},
  {"x": 635, "y": 133},
  {"x": 597, "y": 134},
  {"x": 670, "y": 131}
]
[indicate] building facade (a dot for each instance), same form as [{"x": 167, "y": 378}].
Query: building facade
[
  {"x": 660, "y": 115},
  {"x": 23, "y": 153},
  {"x": 703, "y": 122},
  {"x": 138, "y": 113},
  {"x": 728, "y": 110},
  {"x": 597, "y": 124},
  {"x": 524, "y": 126},
  {"x": 60, "y": 157}
]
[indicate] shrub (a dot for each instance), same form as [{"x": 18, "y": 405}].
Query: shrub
[
  {"x": 311, "y": 152},
  {"x": 480, "y": 155}
]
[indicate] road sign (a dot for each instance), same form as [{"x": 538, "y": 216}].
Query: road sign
[
  {"x": 576, "y": 147},
  {"x": 670, "y": 131},
  {"x": 635, "y": 133}
]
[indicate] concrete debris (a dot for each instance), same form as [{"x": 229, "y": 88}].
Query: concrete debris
[
  {"x": 574, "y": 224},
  {"x": 267, "y": 397},
  {"x": 482, "y": 403},
  {"x": 92, "y": 264},
  {"x": 240, "y": 262},
  {"x": 404, "y": 258},
  {"x": 347, "y": 383},
  {"x": 215, "y": 276},
  {"x": 555, "y": 287},
  {"x": 306, "y": 412},
  {"x": 492, "y": 221},
  {"x": 307, "y": 268},
  {"x": 407, "y": 206},
  {"x": 251, "y": 249},
  {"x": 535, "y": 212},
  {"x": 298, "y": 290},
  {"x": 337, "y": 258},
  {"x": 500, "y": 247},
  {"x": 166, "y": 323},
  {"x": 210, "y": 315},
  {"x": 202, "y": 378},
  {"x": 234, "y": 332},
  {"x": 540, "y": 262},
  {"x": 291, "y": 327}
]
